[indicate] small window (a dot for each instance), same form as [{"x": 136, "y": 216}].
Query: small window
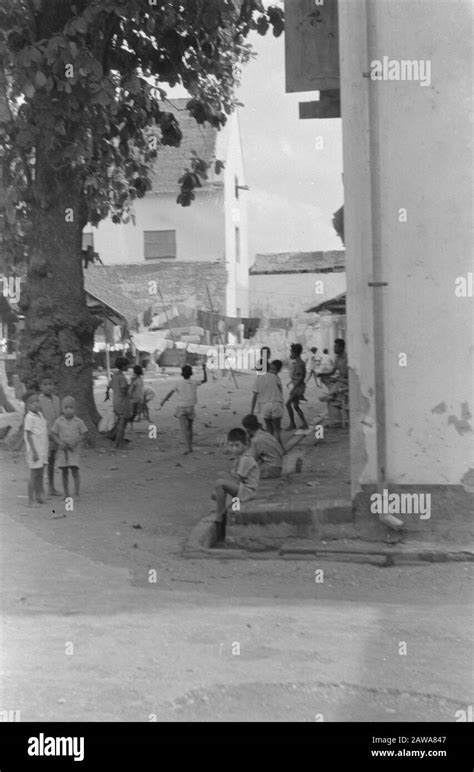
[
  {"x": 237, "y": 245},
  {"x": 159, "y": 244},
  {"x": 87, "y": 240}
]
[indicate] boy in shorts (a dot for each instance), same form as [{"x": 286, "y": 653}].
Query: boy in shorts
[
  {"x": 268, "y": 391},
  {"x": 298, "y": 378},
  {"x": 121, "y": 400},
  {"x": 187, "y": 399},
  {"x": 68, "y": 431},
  {"x": 313, "y": 366},
  {"x": 35, "y": 432},
  {"x": 241, "y": 482}
]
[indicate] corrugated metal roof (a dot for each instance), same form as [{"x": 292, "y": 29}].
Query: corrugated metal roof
[{"x": 300, "y": 262}]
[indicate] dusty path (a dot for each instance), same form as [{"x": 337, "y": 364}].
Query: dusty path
[{"x": 210, "y": 640}]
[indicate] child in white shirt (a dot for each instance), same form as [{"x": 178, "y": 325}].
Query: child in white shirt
[
  {"x": 187, "y": 399},
  {"x": 35, "y": 432}
]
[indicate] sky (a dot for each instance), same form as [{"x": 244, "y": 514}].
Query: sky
[{"x": 294, "y": 187}]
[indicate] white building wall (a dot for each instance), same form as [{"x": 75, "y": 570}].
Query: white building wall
[
  {"x": 290, "y": 294},
  {"x": 415, "y": 140},
  {"x": 236, "y": 216},
  {"x": 199, "y": 229},
  {"x": 205, "y": 231}
]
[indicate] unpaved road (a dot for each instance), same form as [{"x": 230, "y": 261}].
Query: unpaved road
[{"x": 86, "y": 635}]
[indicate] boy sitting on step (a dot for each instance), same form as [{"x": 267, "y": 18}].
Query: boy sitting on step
[
  {"x": 266, "y": 450},
  {"x": 241, "y": 482}
]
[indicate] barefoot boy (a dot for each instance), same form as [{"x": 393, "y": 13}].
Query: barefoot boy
[
  {"x": 241, "y": 482},
  {"x": 121, "y": 400},
  {"x": 298, "y": 377},
  {"x": 68, "y": 431},
  {"x": 35, "y": 432},
  {"x": 187, "y": 399}
]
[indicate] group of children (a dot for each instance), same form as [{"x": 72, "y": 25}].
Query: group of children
[
  {"x": 53, "y": 434},
  {"x": 319, "y": 365},
  {"x": 258, "y": 453},
  {"x": 130, "y": 400},
  {"x": 268, "y": 393}
]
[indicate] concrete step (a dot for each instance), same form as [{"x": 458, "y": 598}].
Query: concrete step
[{"x": 302, "y": 510}]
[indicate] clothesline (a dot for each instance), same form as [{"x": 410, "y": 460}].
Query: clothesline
[{"x": 218, "y": 315}]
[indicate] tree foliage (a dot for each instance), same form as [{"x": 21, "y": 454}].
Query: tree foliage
[{"x": 85, "y": 86}]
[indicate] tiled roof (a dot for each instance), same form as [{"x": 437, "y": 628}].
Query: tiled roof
[
  {"x": 337, "y": 305},
  {"x": 98, "y": 285},
  {"x": 179, "y": 282},
  {"x": 300, "y": 262},
  {"x": 172, "y": 161}
]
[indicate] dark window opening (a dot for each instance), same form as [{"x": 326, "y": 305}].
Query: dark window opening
[
  {"x": 159, "y": 244},
  {"x": 87, "y": 240}
]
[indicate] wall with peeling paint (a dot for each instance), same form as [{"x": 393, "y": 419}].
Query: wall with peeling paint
[{"x": 417, "y": 141}]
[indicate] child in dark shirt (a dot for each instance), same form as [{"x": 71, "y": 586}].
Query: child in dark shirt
[
  {"x": 121, "y": 400},
  {"x": 137, "y": 393},
  {"x": 241, "y": 482},
  {"x": 298, "y": 378}
]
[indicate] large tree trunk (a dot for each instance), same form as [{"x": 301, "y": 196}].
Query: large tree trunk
[{"x": 59, "y": 329}]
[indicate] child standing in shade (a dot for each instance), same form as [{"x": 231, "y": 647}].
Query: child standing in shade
[
  {"x": 35, "y": 433},
  {"x": 186, "y": 390},
  {"x": 50, "y": 407},
  {"x": 241, "y": 482},
  {"x": 121, "y": 400},
  {"x": 68, "y": 431}
]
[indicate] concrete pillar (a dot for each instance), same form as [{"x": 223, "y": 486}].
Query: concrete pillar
[{"x": 407, "y": 181}]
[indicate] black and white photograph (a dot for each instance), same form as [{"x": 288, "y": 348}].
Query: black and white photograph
[{"x": 236, "y": 372}]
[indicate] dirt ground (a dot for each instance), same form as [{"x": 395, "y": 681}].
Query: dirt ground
[
  {"x": 165, "y": 647},
  {"x": 139, "y": 504}
]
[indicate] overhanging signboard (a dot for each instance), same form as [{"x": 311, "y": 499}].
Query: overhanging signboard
[{"x": 311, "y": 45}]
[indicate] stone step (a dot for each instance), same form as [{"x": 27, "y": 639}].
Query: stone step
[{"x": 301, "y": 510}]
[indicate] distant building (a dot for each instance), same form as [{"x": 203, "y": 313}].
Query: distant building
[
  {"x": 212, "y": 230},
  {"x": 284, "y": 287},
  {"x": 288, "y": 283},
  {"x": 408, "y": 239}
]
